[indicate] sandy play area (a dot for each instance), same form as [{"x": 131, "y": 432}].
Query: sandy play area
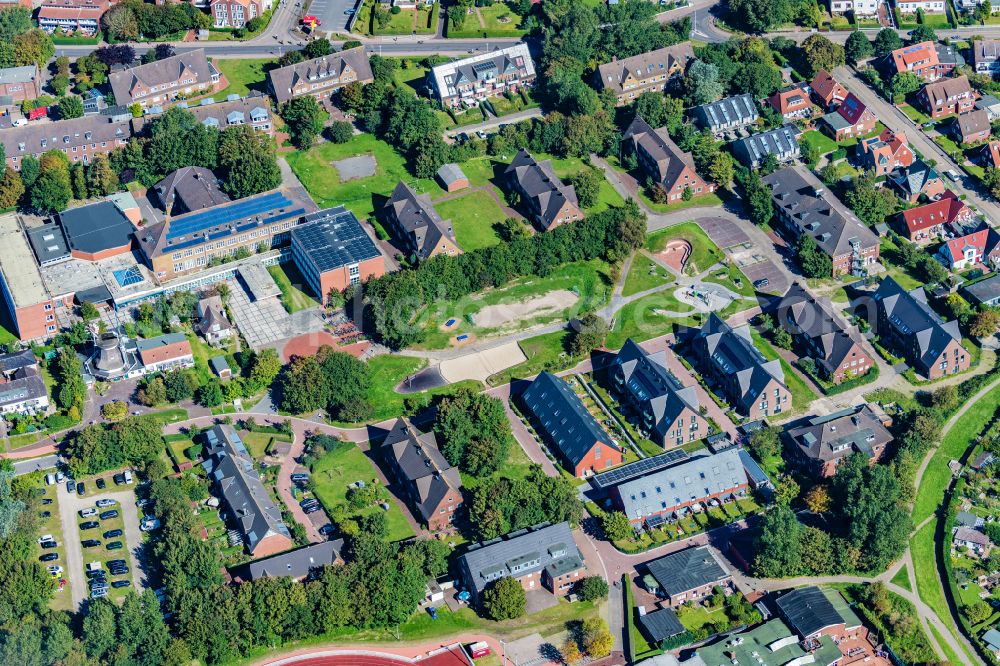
[
  {"x": 496, "y": 316},
  {"x": 705, "y": 296},
  {"x": 352, "y": 168},
  {"x": 480, "y": 365},
  {"x": 675, "y": 254}
]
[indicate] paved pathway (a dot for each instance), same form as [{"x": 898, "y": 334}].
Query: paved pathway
[{"x": 495, "y": 121}]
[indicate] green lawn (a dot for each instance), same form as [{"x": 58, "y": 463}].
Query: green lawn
[
  {"x": 543, "y": 352},
  {"x": 802, "y": 393},
  {"x": 645, "y": 274},
  {"x": 642, "y": 319},
  {"x": 925, "y": 571},
  {"x": 258, "y": 443},
  {"x": 902, "y": 578},
  {"x": 178, "y": 445},
  {"x": 410, "y": 73},
  {"x": 914, "y": 114},
  {"x": 336, "y": 471},
  {"x": 243, "y": 75},
  {"x": 570, "y": 166},
  {"x": 704, "y": 252},
  {"x": 53, "y": 525},
  {"x": 733, "y": 279},
  {"x": 292, "y": 285},
  {"x": 362, "y": 195},
  {"x": 821, "y": 141},
  {"x": 474, "y": 217},
  {"x": 498, "y": 21}
]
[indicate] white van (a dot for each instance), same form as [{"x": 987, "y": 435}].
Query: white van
[
  {"x": 50, "y": 479},
  {"x": 88, "y": 512}
]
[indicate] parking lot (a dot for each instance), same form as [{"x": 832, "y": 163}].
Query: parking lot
[
  {"x": 77, "y": 557},
  {"x": 724, "y": 233},
  {"x": 331, "y": 13},
  {"x": 51, "y": 524}
]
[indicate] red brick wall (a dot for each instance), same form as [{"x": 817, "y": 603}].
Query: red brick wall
[
  {"x": 103, "y": 254},
  {"x": 32, "y": 324},
  {"x": 340, "y": 278},
  {"x": 591, "y": 463},
  {"x": 441, "y": 521}
]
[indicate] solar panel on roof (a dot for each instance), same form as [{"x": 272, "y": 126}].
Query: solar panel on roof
[
  {"x": 226, "y": 214},
  {"x": 639, "y": 468}
]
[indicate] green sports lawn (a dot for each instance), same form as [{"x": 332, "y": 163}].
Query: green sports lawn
[
  {"x": 473, "y": 216},
  {"x": 243, "y": 74}
]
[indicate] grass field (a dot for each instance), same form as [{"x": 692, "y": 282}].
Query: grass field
[
  {"x": 52, "y": 525},
  {"x": 802, "y": 393},
  {"x": 177, "y": 445},
  {"x": 243, "y": 75},
  {"x": 473, "y": 216},
  {"x": 733, "y": 279},
  {"x": 337, "y": 470},
  {"x": 914, "y": 114},
  {"x": 925, "y": 571},
  {"x": 902, "y": 578},
  {"x": 498, "y": 21},
  {"x": 549, "y": 351},
  {"x": 704, "y": 253},
  {"x": 645, "y": 274},
  {"x": 816, "y": 138},
  {"x": 258, "y": 443},
  {"x": 292, "y": 285},
  {"x": 641, "y": 320}
]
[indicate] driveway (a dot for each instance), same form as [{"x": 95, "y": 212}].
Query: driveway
[{"x": 69, "y": 507}]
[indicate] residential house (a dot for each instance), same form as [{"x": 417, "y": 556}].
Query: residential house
[
  {"x": 989, "y": 155},
  {"x": 661, "y": 159},
  {"x": 971, "y": 127},
  {"x": 660, "y": 625},
  {"x": 235, "y": 13},
  {"x": 921, "y": 59},
  {"x": 973, "y": 539},
  {"x": 575, "y": 435},
  {"x": 781, "y": 142},
  {"x": 299, "y": 564},
  {"x": 428, "y": 482},
  {"x": 991, "y": 639},
  {"x": 827, "y": 91},
  {"x": 72, "y": 17},
  {"x": 729, "y": 114},
  {"x": 165, "y": 352},
  {"x": 20, "y": 83},
  {"x": 885, "y": 153},
  {"x": 253, "y": 110},
  {"x": 851, "y": 119},
  {"x": 550, "y": 202},
  {"x": 669, "y": 493},
  {"x": 213, "y": 324},
  {"x": 160, "y": 82},
  {"x": 80, "y": 139},
  {"x": 858, "y": 7},
  {"x": 4, "y": 4},
  {"x": 647, "y": 72},
  {"x": 991, "y": 105},
  {"x": 664, "y": 408},
  {"x": 823, "y": 335},
  {"x": 189, "y": 189},
  {"x": 966, "y": 519},
  {"x": 822, "y": 443},
  {"x": 688, "y": 575},
  {"x": 320, "y": 77},
  {"x": 541, "y": 556},
  {"x": 986, "y": 56},
  {"x": 803, "y": 206},
  {"x": 920, "y": 179},
  {"x": 792, "y": 102},
  {"x": 907, "y": 326},
  {"x": 927, "y": 6},
  {"x": 452, "y": 178},
  {"x": 417, "y": 225},
  {"x": 981, "y": 247},
  {"x": 469, "y": 81},
  {"x": 947, "y": 96},
  {"x": 984, "y": 293},
  {"x": 247, "y": 502},
  {"x": 22, "y": 390},
  {"x": 931, "y": 221},
  {"x": 814, "y": 613},
  {"x": 753, "y": 384}
]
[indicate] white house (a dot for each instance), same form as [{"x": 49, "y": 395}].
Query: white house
[
  {"x": 929, "y": 6},
  {"x": 859, "y": 7}
]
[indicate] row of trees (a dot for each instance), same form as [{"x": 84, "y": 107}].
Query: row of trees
[{"x": 132, "y": 19}]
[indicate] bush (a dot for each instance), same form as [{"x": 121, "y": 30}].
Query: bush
[
  {"x": 340, "y": 131},
  {"x": 114, "y": 411},
  {"x": 592, "y": 588},
  {"x": 395, "y": 10},
  {"x": 58, "y": 422},
  {"x": 504, "y": 599}
]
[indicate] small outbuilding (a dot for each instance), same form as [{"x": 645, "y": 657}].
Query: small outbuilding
[
  {"x": 220, "y": 366},
  {"x": 452, "y": 177}
]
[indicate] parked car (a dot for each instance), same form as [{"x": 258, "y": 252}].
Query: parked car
[
  {"x": 108, "y": 515},
  {"x": 44, "y": 538},
  {"x": 110, "y": 534},
  {"x": 89, "y": 525},
  {"x": 119, "y": 479},
  {"x": 97, "y": 573},
  {"x": 90, "y": 543},
  {"x": 71, "y": 486},
  {"x": 44, "y": 514},
  {"x": 312, "y": 509},
  {"x": 308, "y": 502},
  {"x": 102, "y": 503},
  {"x": 119, "y": 571},
  {"x": 48, "y": 545},
  {"x": 120, "y": 583},
  {"x": 97, "y": 594},
  {"x": 88, "y": 512},
  {"x": 759, "y": 284},
  {"x": 113, "y": 563},
  {"x": 47, "y": 501},
  {"x": 327, "y": 529},
  {"x": 114, "y": 545},
  {"x": 55, "y": 569},
  {"x": 149, "y": 524},
  {"x": 101, "y": 484},
  {"x": 81, "y": 489},
  {"x": 48, "y": 557},
  {"x": 299, "y": 478}
]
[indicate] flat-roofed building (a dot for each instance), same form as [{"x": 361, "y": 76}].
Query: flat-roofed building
[
  {"x": 628, "y": 78},
  {"x": 333, "y": 251},
  {"x": 471, "y": 80},
  {"x": 769, "y": 644},
  {"x": 29, "y": 305},
  {"x": 20, "y": 83},
  {"x": 320, "y": 77},
  {"x": 97, "y": 231}
]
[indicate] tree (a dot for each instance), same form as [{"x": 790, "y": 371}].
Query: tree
[
  {"x": 822, "y": 54},
  {"x": 210, "y": 394},
  {"x": 983, "y": 12},
  {"x": 570, "y": 653},
  {"x": 120, "y": 22},
  {"x": 702, "y": 83},
  {"x": 304, "y": 118},
  {"x": 89, "y": 311},
  {"x": 818, "y": 499},
  {"x": 761, "y": 15},
  {"x": 760, "y": 79},
  {"x": 984, "y": 324},
  {"x": 923, "y": 33},
  {"x": 351, "y": 95},
  {"x": 474, "y": 431},
  {"x": 786, "y": 490},
  {"x": 817, "y": 551},
  {"x": 904, "y": 83},
  {"x": 317, "y": 48},
  {"x": 70, "y": 106},
  {"x": 978, "y": 612},
  {"x": 587, "y": 184},
  {"x": 810, "y": 153},
  {"x": 782, "y": 338},
  {"x": 597, "y": 638},
  {"x": 114, "y": 411},
  {"x": 504, "y": 599},
  {"x": 101, "y": 179},
  {"x": 758, "y": 196},
  {"x": 33, "y": 48},
  {"x": 51, "y": 190},
  {"x": 721, "y": 170},
  {"x": 11, "y": 188},
  {"x": 592, "y": 588},
  {"x": 886, "y": 41},
  {"x": 15, "y": 20},
  {"x": 813, "y": 261},
  {"x": 778, "y": 544},
  {"x": 153, "y": 393},
  {"x": 858, "y": 47},
  {"x": 248, "y": 161},
  {"x": 871, "y": 203},
  {"x": 340, "y": 131},
  {"x": 616, "y": 526},
  {"x": 588, "y": 334},
  {"x": 765, "y": 442}
]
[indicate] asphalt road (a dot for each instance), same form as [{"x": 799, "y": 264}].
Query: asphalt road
[{"x": 22, "y": 467}]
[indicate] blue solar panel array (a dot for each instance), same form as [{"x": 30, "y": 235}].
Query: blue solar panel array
[
  {"x": 226, "y": 214},
  {"x": 225, "y": 234}
]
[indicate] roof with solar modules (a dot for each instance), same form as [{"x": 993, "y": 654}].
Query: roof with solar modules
[
  {"x": 333, "y": 238},
  {"x": 225, "y": 220}
]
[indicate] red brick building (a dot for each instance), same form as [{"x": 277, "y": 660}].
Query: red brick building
[
  {"x": 920, "y": 59},
  {"x": 663, "y": 161},
  {"x": 925, "y": 223},
  {"x": 20, "y": 83},
  {"x": 947, "y": 96},
  {"x": 885, "y": 153},
  {"x": 234, "y": 13}
]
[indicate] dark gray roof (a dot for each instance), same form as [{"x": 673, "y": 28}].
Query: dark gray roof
[
  {"x": 189, "y": 189},
  {"x": 561, "y": 415},
  {"x": 254, "y": 108},
  {"x": 418, "y": 462},
  {"x": 912, "y": 181},
  {"x": 297, "y": 563},
  {"x": 801, "y": 313},
  {"x": 754, "y": 472},
  {"x": 732, "y": 352},
  {"x": 332, "y": 238},
  {"x": 817, "y": 212},
  {"x": 12, "y": 362},
  {"x": 231, "y": 467},
  {"x": 781, "y": 142},
  {"x": 539, "y": 182},
  {"x": 984, "y": 291},
  {"x": 652, "y": 386},
  {"x": 518, "y": 554},
  {"x": 416, "y": 215},
  {"x": 449, "y": 173},
  {"x": 840, "y": 434},
  {"x": 326, "y": 69},
  {"x": 164, "y": 340},
  {"x": 670, "y": 159},
  {"x": 661, "y": 624},
  {"x": 735, "y": 111},
  {"x": 647, "y": 66},
  {"x": 26, "y": 384},
  {"x": 96, "y": 227},
  {"x": 910, "y": 315},
  {"x": 48, "y": 243},
  {"x": 808, "y": 611},
  {"x": 687, "y": 570},
  {"x": 219, "y": 364},
  {"x": 693, "y": 480},
  {"x": 163, "y": 74}
]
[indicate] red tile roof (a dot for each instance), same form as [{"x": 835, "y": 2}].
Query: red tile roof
[
  {"x": 826, "y": 87},
  {"x": 946, "y": 209}
]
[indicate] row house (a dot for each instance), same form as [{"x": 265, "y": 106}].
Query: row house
[
  {"x": 72, "y": 16},
  {"x": 926, "y": 6},
  {"x": 971, "y": 127},
  {"x": 803, "y": 206},
  {"x": 981, "y": 247},
  {"x": 234, "y": 13},
  {"x": 647, "y": 72},
  {"x": 663, "y": 161},
  {"x": 254, "y": 110},
  {"x": 782, "y": 142},
  {"x": 885, "y": 153},
  {"x": 550, "y": 201},
  {"x": 320, "y": 77},
  {"x": 933, "y": 220},
  {"x": 158, "y": 83},
  {"x": 469, "y": 81},
  {"x": 857, "y": 7},
  {"x": 792, "y": 102},
  {"x": 81, "y": 139},
  {"x": 851, "y": 119},
  {"x": 20, "y": 83},
  {"x": 729, "y": 114},
  {"x": 947, "y": 96},
  {"x": 922, "y": 59}
]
